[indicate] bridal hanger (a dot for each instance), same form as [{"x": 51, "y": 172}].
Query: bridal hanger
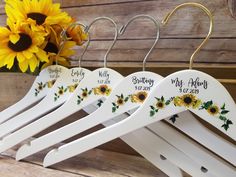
[
  {"x": 39, "y": 89},
  {"x": 90, "y": 90},
  {"x": 22, "y": 154},
  {"x": 58, "y": 94},
  {"x": 128, "y": 81},
  {"x": 158, "y": 106}
]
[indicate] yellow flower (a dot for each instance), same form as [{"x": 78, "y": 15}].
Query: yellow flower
[
  {"x": 160, "y": 105},
  {"x": 77, "y": 34},
  {"x": 102, "y": 90},
  {"x": 197, "y": 103},
  {"x": 43, "y": 12},
  {"x": 139, "y": 97},
  {"x": 72, "y": 87},
  {"x": 52, "y": 48},
  {"x": 19, "y": 42},
  {"x": 120, "y": 101},
  {"x": 177, "y": 101},
  {"x": 85, "y": 93},
  {"x": 51, "y": 83},
  {"x": 188, "y": 100},
  {"x": 213, "y": 110}
]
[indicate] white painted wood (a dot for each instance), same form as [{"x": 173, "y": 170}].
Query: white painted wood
[
  {"x": 193, "y": 128},
  {"x": 32, "y": 96},
  {"x": 211, "y": 162},
  {"x": 148, "y": 152},
  {"x": 141, "y": 117},
  {"x": 50, "y": 102}
]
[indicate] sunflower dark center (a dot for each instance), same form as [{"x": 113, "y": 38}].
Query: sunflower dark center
[
  {"x": 160, "y": 105},
  {"x": 60, "y": 92},
  {"x": 84, "y": 94},
  {"x": 103, "y": 89},
  {"x": 188, "y": 100},
  {"x": 141, "y": 97},
  {"x": 52, "y": 48},
  {"x": 40, "y": 87},
  {"x": 38, "y": 17},
  {"x": 213, "y": 110},
  {"x": 120, "y": 101},
  {"x": 22, "y": 44}
]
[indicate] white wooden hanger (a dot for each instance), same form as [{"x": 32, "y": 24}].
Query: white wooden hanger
[
  {"x": 58, "y": 94},
  {"x": 137, "y": 145},
  {"x": 48, "y": 139},
  {"x": 140, "y": 117},
  {"x": 133, "y": 85},
  {"x": 42, "y": 83},
  {"x": 75, "y": 102}
]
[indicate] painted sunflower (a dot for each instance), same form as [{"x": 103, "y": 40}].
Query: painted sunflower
[
  {"x": 51, "y": 83},
  {"x": 43, "y": 12},
  {"x": 139, "y": 97},
  {"x": 120, "y": 101},
  {"x": 160, "y": 105},
  {"x": 188, "y": 100},
  {"x": 102, "y": 90},
  {"x": 19, "y": 42},
  {"x": 72, "y": 87},
  {"x": 213, "y": 110}
]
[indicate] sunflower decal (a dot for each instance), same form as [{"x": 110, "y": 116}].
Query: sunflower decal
[
  {"x": 219, "y": 112},
  {"x": 60, "y": 92},
  {"x": 102, "y": 90},
  {"x": 39, "y": 88},
  {"x": 72, "y": 88},
  {"x": 85, "y": 93},
  {"x": 139, "y": 97},
  {"x": 42, "y": 85},
  {"x": 51, "y": 83},
  {"x": 160, "y": 104},
  {"x": 121, "y": 100},
  {"x": 31, "y": 39},
  {"x": 187, "y": 100},
  {"x": 191, "y": 101}
]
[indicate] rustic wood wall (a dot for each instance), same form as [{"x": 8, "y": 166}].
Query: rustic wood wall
[{"x": 178, "y": 40}]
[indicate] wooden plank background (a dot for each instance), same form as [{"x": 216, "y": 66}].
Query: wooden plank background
[{"x": 178, "y": 39}]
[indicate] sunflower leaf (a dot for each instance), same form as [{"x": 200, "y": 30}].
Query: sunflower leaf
[
  {"x": 162, "y": 98},
  {"x": 114, "y": 104},
  {"x": 225, "y": 126},
  {"x": 224, "y": 112},
  {"x": 229, "y": 122},
  {"x": 173, "y": 118},
  {"x": 152, "y": 113},
  {"x": 126, "y": 99},
  {"x": 152, "y": 107},
  {"x": 167, "y": 102},
  {"x": 113, "y": 109},
  {"x": 78, "y": 102},
  {"x": 90, "y": 91},
  {"x": 122, "y": 96},
  {"x": 222, "y": 118},
  {"x": 223, "y": 107}
]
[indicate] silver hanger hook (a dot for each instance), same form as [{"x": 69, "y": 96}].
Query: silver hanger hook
[
  {"x": 123, "y": 29},
  {"x": 65, "y": 38},
  {"x": 115, "y": 37}
]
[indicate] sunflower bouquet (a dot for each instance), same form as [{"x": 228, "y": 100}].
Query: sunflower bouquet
[{"x": 31, "y": 39}]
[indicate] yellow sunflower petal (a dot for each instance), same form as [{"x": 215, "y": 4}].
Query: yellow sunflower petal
[
  {"x": 27, "y": 54},
  {"x": 9, "y": 60},
  {"x": 43, "y": 57},
  {"x": 23, "y": 66},
  {"x": 33, "y": 63},
  {"x": 14, "y": 38},
  {"x": 20, "y": 57}
]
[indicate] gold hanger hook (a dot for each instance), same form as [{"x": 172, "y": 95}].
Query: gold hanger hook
[
  {"x": 207, "y": 11},
  {"x": 123, "y": 28},
  {"x": 64, "y": 36},
  {"x": 115, "y": 37}
]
